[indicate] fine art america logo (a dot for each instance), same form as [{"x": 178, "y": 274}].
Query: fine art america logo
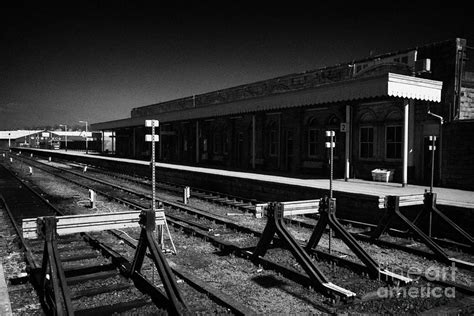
[{"x": 431, "y": 274}]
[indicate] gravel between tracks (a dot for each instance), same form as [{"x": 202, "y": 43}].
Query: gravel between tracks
[{"x": 265, "y": 291}]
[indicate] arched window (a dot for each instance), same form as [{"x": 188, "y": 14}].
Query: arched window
[
  {"x": 313, "y": 138},
  {"x": 273, "y": 139},
  {"x": 333, "y": 121},
  {"x": 217, "y": 141}
]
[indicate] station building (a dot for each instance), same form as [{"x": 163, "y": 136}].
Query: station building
[
  {"x": 18, "y": 138},
  {"x": 383, "y": 110},
  {"x": 51, "y": 139}
]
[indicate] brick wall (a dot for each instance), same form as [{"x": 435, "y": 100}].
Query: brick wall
[
  {"x": 458, "y": 155},
  {"x": 466, "y": 111}
]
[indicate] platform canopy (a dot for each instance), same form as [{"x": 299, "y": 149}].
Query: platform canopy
[
  {"x": 386, "y": 85},
  {"x": 17, "y": 134}
]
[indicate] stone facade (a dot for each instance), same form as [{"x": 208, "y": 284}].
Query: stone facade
[
  {"x": 467, "y": 104},
  {"x": 291, "y": 140},
  {"x": 458, "y": 155}
]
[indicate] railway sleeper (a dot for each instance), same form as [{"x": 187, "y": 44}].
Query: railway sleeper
[{"x": 113, "y": 308}]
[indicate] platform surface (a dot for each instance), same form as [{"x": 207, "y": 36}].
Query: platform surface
[{"x": 446, "y": 196}]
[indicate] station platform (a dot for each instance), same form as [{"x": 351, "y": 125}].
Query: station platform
[
  {"x": 446, "y": 196},
  {"x": 358, "y": 200}
]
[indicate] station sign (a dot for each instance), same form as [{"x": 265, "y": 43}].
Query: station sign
[
  {"x": 152, "y": 123},
  {"x": 149, "y": 138},
  {"x": 44, "y": 134}
]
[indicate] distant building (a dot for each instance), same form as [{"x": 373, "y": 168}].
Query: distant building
[
  {"x": 72, "y": 140},
  {"x": 383, "y": 110},
  {"x": 19, "y": 138}
]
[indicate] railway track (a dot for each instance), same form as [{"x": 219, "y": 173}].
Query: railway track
[
  {"x": 403, "y": 240},
  {"x": 94, "y": 272},
  {"x": 200, "y": 229}
]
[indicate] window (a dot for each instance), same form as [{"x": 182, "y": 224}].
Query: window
[
  {"x": 273, "y": 140},
  {"x": 225, "y": 149},
  {"x": 393, "y": 141},
  {"x": 366, "y": 149},
  {"x": 313, "y": 138},
  {"x": 312, "y": 142},
  {"x": 216, "y": 142}
]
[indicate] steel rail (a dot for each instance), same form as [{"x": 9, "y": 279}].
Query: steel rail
[
  {"x": 124, "y": 266},
  {"x": 353, "y": 265},
  {"x": 217, "y": 198}
]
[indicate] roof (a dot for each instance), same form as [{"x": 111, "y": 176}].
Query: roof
[
  {"x": 17, "y": 134},
  {"x": 68, "y": 133},
  {"x": 386, "y": 85}
]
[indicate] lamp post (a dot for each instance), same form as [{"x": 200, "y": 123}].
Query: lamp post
[
  {"x": 65, "y": 135},
  {"x": 87, "y": 148}
]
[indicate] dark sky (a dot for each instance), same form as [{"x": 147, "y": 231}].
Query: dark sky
[{"x": 96, "y": 63}]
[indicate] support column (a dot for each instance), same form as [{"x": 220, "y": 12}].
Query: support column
[
  {"x": 160, "y": 144},
  {"x": 253, "y": 141},
  {"x": 406, "y": 114},
  {"x": 279, "y": 141},
  {"x": 113, "y": 142},
  {"x": 348, "y": 143},
  {"x": 197, "y": 141}
]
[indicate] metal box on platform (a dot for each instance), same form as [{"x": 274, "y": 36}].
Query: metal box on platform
[{"x": 382, "y": 175}]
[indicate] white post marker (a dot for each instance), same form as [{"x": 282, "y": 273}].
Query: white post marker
[
  {"x": 331, "y": 144},
  {"x": 92, "y": 198},
  {"x": 432, "y": 148},
  {"x": 156, "y": 138},
  {"x": 30, "y": 171},
  {"x": 152, "y": 138},
  {"x": 186, "y": 194}
]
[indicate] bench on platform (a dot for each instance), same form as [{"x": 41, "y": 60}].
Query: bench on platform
[{"x": 291, "y": 208}]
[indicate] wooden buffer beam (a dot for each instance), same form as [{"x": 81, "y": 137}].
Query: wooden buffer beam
[{"x": 54, "y": 292}]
